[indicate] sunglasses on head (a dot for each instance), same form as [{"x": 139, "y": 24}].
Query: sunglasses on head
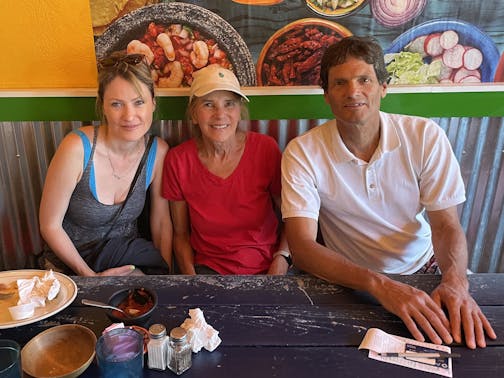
[{"x": 131, "y": 59}]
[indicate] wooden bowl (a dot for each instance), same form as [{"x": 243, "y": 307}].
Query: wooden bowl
[{"x": 63, "y": 351}]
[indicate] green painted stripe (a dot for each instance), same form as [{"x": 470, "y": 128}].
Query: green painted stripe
[
  {"x": 455, "y": 104},
  {"x": 307, "y": 106},
  {"x": 47, "y": 109}
]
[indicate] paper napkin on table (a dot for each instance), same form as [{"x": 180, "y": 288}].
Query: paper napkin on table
[
  {"x": 37, "y": 290},
  {"x": 378, "y": 341},
  {"x": 200, "y": 334}
]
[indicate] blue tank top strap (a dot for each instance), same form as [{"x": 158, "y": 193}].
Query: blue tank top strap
[
  {"x": 88, "y": 155},
  {"x": 87, "y": 147},
  {"x": 151, "y": 159}
]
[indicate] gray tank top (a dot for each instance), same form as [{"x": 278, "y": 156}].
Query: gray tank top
[{"x": 88, "y": 220}]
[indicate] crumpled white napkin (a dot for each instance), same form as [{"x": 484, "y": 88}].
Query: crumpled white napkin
[
  {"x": 36, "y": 290},
  {"x": 199, "y": 332}
]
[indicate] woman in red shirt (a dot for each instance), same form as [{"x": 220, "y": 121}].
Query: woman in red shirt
[{"x": 223, "y": 186}]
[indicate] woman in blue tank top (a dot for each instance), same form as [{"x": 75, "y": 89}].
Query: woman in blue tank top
[{"x": 86, "y": 216}]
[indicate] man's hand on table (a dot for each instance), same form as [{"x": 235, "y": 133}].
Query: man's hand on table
[
  {"x": 464, "y": 313},
  {"x": 417, "y": 310}
]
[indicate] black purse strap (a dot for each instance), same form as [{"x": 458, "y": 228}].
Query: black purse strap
[{"x": 135, "y": 178}]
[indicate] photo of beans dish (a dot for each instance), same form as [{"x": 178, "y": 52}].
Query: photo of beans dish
[{"x": 293, "y": 53}]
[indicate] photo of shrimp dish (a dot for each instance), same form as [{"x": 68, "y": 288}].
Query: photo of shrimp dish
[{"x": 175, "y": 51}]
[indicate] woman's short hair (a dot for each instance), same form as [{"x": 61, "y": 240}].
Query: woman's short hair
[
  {"x": 133, "y": 68},
  {"x": 366, "y": 48}
]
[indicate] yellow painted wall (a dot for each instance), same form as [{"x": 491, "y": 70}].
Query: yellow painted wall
[{"x": 46, "y": 44}]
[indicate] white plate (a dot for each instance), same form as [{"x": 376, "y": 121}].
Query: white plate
[{"x": 66, "y": 295}]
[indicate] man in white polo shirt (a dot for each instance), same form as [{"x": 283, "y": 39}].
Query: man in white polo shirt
[{"x": 366, "y": 179}]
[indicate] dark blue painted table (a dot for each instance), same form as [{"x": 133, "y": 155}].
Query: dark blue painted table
[{"x": 293, "y": 326}]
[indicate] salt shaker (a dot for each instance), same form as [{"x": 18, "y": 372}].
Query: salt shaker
[
  {"x": 157, "y": 347},
  {"x": 179, "y": 351}
]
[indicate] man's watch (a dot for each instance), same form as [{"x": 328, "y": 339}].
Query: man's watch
[{"x": 285, "y": 254}]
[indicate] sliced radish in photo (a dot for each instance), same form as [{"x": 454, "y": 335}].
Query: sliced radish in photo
[
  {"x": 449, "y": 39},
  {"x": 457, "y": 48},
  {"x": 432, "y": 45},
  {"x": 453, "y": 57},
  {"x": 470, "y": 79},
  {"x": 473, "y": 58},
  {"x": 464, "y": 72}
]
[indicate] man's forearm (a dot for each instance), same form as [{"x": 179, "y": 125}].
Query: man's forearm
[{"x": 450, "y": 249}]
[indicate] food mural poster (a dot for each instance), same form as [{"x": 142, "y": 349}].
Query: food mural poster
[{"x": 280, "y": 42}]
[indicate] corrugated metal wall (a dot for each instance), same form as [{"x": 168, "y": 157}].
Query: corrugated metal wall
[{"x": 26, "y": 149}]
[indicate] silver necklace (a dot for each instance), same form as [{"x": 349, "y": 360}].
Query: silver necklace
[{"x": 114, "y": 174}]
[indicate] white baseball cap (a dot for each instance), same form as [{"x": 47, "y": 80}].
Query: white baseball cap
[{"x": 214, "y": 78}]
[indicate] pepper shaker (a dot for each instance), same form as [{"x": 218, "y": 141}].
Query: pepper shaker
[{"x": 179, "y": 351}]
